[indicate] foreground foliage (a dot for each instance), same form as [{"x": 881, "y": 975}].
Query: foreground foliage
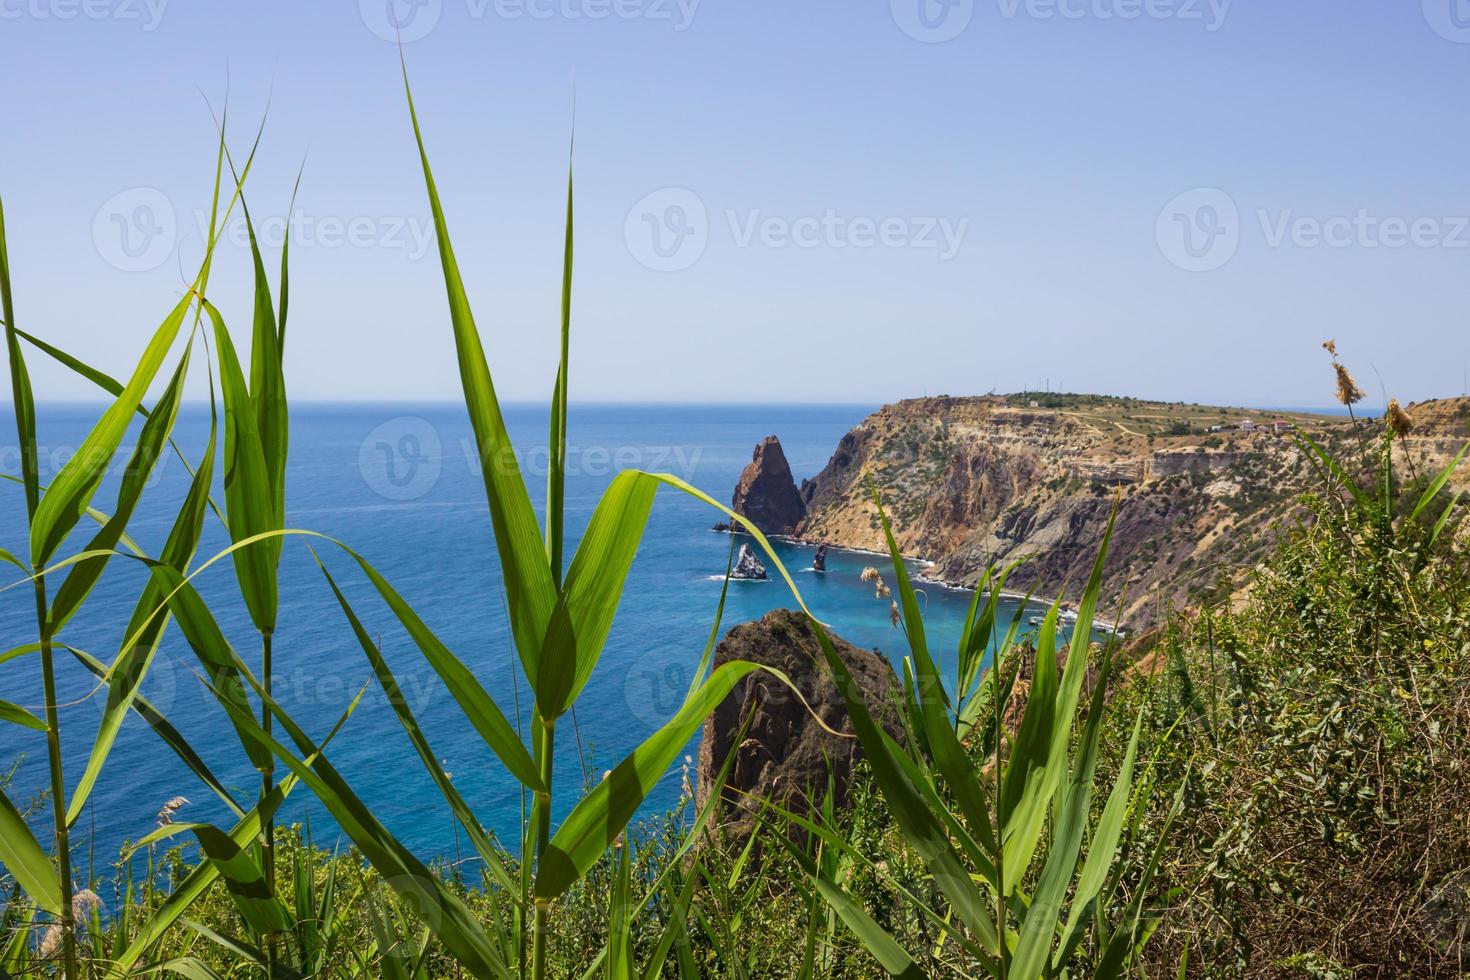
[{"x": 1321, "y": 735}]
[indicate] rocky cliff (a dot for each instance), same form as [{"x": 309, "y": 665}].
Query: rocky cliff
[
  {"x": 785, "y": 754},
  {"x": 767, "y": 493},
  {"x": 1200, "y": 491}
]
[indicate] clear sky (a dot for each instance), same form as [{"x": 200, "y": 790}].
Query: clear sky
[{"x": 817, "y": 200}]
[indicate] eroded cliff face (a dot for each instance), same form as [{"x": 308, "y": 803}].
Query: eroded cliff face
[{"x": 971, "y": 481}]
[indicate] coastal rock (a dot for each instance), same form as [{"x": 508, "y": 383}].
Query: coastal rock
[
  {"x": 766, "y": 493},
  {"x": 968, "y": 482},
  {"x": 785, "y": 754},
  {"x": 748, "y": 566}
]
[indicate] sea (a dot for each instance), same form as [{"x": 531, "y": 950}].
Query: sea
[{"x": 400, "y": 484}]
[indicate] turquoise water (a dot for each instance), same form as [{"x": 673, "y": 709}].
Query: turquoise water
[{"x": 398, "y": 483}]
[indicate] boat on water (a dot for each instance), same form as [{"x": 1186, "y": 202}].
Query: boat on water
[{"x": 1065, "y": 616}]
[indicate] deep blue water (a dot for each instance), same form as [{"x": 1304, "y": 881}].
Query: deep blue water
[{"x": 399, "y": 484}]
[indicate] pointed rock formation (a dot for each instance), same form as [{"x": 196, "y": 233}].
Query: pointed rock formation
[{"x": 766, "y": 493}]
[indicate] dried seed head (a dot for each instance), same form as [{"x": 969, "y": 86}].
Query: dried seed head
[
  {"x": 870, "y": 574},
  {"x": 883, "y": 591},
  {"x": 1348, "y": 392},
  {"x": 1330, "y": 346},
  {"x": 173, "y": 806},
  {"x": 82, "y": 904},
  {"x": 1399, "y": 422},
  {"x": 893, "y": 613}
]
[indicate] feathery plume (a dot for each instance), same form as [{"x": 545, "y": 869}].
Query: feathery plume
[
  {"x": 870, "y": 574},
  {"x": 173, "y": 806},
  {"x": 893, "y": 613},
  {"x": 82, "y": 904},
  {"x": 1399, "y": 421},
  {"x": 1348, "y": 392}
]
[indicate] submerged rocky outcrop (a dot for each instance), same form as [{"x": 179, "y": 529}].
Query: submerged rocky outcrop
[
  {"x": 766, "y": 493},
  {"x": 1200, "y": 491},
  {"x": 784, "y": 755}
]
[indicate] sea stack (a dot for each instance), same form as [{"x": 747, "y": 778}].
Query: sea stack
[
  {"x": 748, "y": 566},
  {"x": 766, "y": 494}
]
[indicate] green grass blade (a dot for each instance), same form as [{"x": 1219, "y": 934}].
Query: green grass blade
[
  {"x": 198, "y": 881},
  {"x": 151, "y": 442},
  {"x": 23, "y": 857},
  {"x": 1102, "y": 850},
  {"x": 1437, "y": 484},
  {"x": 71, "y": 491},
  {"x": 1043, "y": 917},
  {"x": 1444, "y": 517},
  {"x": 463, "y": 686},
  {"x": 891, "y": 956},
  {"x": 16, "y": 715},
  {"x": 285, "y": 263},
  {"x": 597, "y": 820},
  {"x": 20, "y": 385},
  {"x": 599, "y": 572},
  {"x": 114, "y": 388},
  {"x": 557, "y": 448},
  {"x": 246, "y": 883},
  {"x": 939, "y": 727},
  {"x": 461, "y": 810},
  {"x": 208, "y": 642},
  {"x": 454, "y": 924},
  {"x": 268, "y": 387},
  {"x": 145, "y": 630},
  {"x": 249, "y": 497},
  {"x": 1333, "y": 471},
  {"x": 530, "y": 589},
  {"x": 165, "y": 731},
  {"x": 104, "y": 381}
]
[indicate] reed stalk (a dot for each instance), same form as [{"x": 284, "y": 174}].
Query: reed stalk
[{"x": 58, "y": 785}]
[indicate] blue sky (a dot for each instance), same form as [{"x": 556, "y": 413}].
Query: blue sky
[{"x": 818, "y": 201}]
